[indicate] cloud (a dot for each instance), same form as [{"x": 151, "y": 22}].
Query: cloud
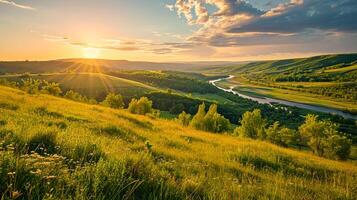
[
  {"x": 235, "y": 23},
  {"x": 170, "y": 7},
  {"x": 12, "y": 3},
  {"x": 123, "y": 44},
  {"x": 298, "y": 16}
]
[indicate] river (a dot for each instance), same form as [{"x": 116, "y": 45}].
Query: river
[{"x": 267, "y": 100}]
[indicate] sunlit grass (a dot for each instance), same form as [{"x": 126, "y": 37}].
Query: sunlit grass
[{"x": 198, "y": 165}]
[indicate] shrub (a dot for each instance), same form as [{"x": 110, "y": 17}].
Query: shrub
[
  {"x": 197, "y": 120},
  {"x": 31, "y": 86},
  {"x": 211, "y": 121},
  {"x": 338, "y": 147},
  {"x": 51, "y": 88},
  {"x": 252, "y": 125},
  {"x": 184, "y": 119},
  {"x": 141, "y": 106},
  {"x": 215, "y": 122},
  {"x": 324, "y": 138},
  {"x": 114, "y": 101},
  {"x": 281, "y": 135}
]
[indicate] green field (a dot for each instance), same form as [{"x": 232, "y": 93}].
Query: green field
[
  {"x": 343, "y": 69},
  {"x": 94, "y": 85},
  {"x": 328, "y": 81},
  {"x": 101, "y": 153},
  {"x": 291, "y": 95}
]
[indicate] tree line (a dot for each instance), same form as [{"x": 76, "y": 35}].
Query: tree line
[{"x": 321, "y": 136}]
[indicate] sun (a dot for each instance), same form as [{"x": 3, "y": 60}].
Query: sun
[{"x": 90, "y": 52}]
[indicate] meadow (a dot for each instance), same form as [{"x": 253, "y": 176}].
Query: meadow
[
  {"x": 327, "y": 80},
  {"x": 54, "y": 148}
]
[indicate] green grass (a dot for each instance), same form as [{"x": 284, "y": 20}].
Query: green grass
[
  {"x": 250, "y": 88},
  {"x": 59, "y": 149},
  {"x": 94, "y": 85},
  {"x": 343, "y": 69}
]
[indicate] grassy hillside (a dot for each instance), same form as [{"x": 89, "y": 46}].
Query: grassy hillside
[
  {"x": 99, "y": 65},
  {"x": 93, "y": 85},
  {"x": 59, "y": 149},
  {"x": 328, "y": 80}
]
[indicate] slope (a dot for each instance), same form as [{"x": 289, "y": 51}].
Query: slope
[
  {"x": 94, "y": 85},
  {"x": 87, "y": 151}
]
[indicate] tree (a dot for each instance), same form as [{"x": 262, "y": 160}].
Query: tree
[
  {"x": 281, "y": 135},
  {"x": 313, "y": 131},
  {"x": 215, "y": 122},
  {"x": 338, "y": 147},
  {"x": 177, "y": 108},
  {"x": 141, "y": 106},
  {"x": 324, "y": 138},
  {"x": 31, "y": 86},
  {"x": 114, "y": 101},
  {"x": 184, "y": 119},
  {"x": 211, "y": 121},
  {"x": 252, "y": 125},
  {"x": 51, "y": 88},
  {"x": 197, "y": 120}
]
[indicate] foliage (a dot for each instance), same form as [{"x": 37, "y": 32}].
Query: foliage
[
  {"x": 75, "y": 96},
  {"x": 184, "y": 119},
  {"x": 324, "y": 139},
  {"x": 31, "y": 86},
  {"x": 51, "y": 88},
  {"x": 211, "y": 121},
  {"x": 185, "y": 82},
  {"x": 114, "y": 101},
  {"x": 141, "y": 106},
  {"x": 183, "y": 163},
  {"x": 338, "y": 147},
  {"x": 252, "y": 125},
  {"x": 197, "y": 121},
  {"x": 282, "y": 136}
]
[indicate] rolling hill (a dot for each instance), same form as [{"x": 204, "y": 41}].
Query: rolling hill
[
  {"x": 327, "y": 80},
  {"x": 86, "y": 151},
  {"x": 93, "y": 85},
  {"x": 100, "y": 65}
]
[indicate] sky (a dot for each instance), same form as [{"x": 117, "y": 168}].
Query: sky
[{"x": 176, "y": 30}]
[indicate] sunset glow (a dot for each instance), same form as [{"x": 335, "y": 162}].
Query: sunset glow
[
  {"x": 91, "y": 52},
  {"x": 175, "y": 30}
]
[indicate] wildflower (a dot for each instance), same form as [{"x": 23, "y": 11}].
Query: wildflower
[{"x": 11, "y": 173}]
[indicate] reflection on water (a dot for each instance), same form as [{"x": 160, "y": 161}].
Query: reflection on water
[{"x": 267, "y": 100}]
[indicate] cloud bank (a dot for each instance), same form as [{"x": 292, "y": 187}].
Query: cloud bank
[
  {"x": 239, "y": 23},
  {"x": 12, "y": 3}
]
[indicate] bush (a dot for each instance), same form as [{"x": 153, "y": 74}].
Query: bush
[
  {"x": 211, "y": 121},
  {"x": 324, "y": 138},
  {"x": 114, "y": 101},
  {"x": 281, "y": 135},
  {"x": 31, "y": 86},
  {"x": 197, "y": 120},
  {"x": 252, "y": 125},
  {"x": 215, "y": 122},
  {"x": 184, "y": 119},
  {"x": 338, "y": 147},
  {"x": 141, "y": 106},
  {"x": 51, "y": 88}
]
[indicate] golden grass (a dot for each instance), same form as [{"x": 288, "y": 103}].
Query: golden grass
[{"x": 222, "y": 166}]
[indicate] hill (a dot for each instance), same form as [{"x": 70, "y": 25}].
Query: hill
[
  {"x": 327, "y": 80},
  {"x": 93, "y": 85},
  {"x": 99, "y": 66},
  {"x": 87, "y": 151},
  {"x": 300, "y": 69}
]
